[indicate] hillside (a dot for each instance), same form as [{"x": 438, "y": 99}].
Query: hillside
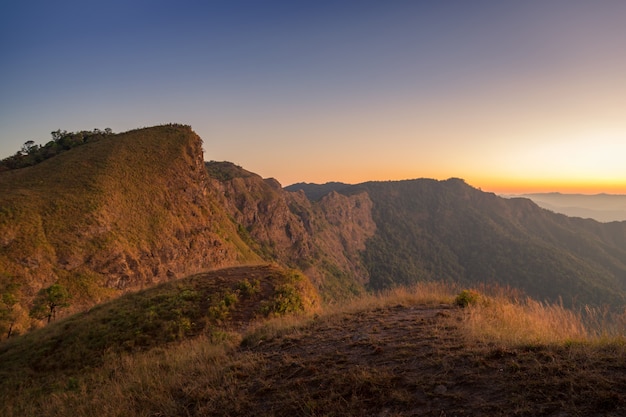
[
  {"x": 208, "y": 305},
  {"x": 431, "y": 230},
  {"x": 324, "y": 238},
  {"x": 119, "y": 214}
]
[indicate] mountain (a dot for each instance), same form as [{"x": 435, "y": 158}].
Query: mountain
[
  {"x": 600, "y": 207},
  {"x": 447, "y": 230},
  {"x": 128, "y": 211},
  {"x": 316, "y": 191},
  {"x": 114, "y": 215}
]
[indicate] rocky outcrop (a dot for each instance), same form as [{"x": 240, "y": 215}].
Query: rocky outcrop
[{"x": 322, "y": 238}]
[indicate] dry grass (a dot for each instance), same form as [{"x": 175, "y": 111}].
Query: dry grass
[
  {"x": 421, "y": 293},
  {"x": 508, "y": 319},
  {"x": 404, "y": 352},
  {"x": 134, "y": 385},
  {"x": 523, "y": 322}
]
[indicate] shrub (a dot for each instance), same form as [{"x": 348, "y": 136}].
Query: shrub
[
  {"x": 286, "y": 299},
  {"x": 247, "y": 288},
  {"x": 468, "y": 297},
  {"x": 220, "y": 307}
]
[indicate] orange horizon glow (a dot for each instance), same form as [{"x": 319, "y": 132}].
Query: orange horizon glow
[{"x": 500, "y": 186}]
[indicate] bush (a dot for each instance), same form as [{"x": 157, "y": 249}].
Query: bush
[
  {"x": 247, "y": 288},
  {"x": 468, "y": 297},
  {"x": 286, "y": 299}
]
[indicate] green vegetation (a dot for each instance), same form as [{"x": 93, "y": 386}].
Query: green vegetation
[
  {"x": 429, "y": 230},
  {"x": 62, "y": 141},
  {"x": 49, "y": 301},
  {"x": 198, "y": 305},
  {"x": 467, "y": 298}
]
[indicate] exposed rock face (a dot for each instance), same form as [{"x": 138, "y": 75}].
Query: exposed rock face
[{"x": 323, "y": 238}]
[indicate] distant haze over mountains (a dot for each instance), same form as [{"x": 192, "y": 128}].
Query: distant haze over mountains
[{"x": 600, "y": 207}]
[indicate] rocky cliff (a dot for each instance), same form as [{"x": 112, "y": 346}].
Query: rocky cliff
[{"x": 323, "y": 238}]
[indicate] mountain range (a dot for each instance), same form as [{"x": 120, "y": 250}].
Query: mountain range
[{"x": 128, "y": 211}]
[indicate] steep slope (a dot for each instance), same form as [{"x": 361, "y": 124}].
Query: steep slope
[
  {"x": 117, "y": 214},
  {"x": 324, "y": 238},
  {"x": 427, "y": 230}
]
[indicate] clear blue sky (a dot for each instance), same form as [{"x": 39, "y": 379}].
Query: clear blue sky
[{"x": 510, "y": 95}]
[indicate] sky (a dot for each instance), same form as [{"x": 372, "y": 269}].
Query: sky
[{"x": 512, "y": 96}]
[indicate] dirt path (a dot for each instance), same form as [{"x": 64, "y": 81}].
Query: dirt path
[{"x": 413, "y": 361}]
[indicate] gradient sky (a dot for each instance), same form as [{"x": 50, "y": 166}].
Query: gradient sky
[{"x": 512, "y": 96}]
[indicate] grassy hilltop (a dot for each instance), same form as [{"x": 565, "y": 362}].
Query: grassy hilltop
[{"x": 119, "y": 213}]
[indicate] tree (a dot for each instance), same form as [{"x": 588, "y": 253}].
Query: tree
[
  {"x": 58, "y": 134},
  {"x": 49, "y": 301},
  {"x": 29, "y": 147},
  {"x": 8, "y": 300}
]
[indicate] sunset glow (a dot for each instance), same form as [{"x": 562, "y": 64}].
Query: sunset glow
[{"x": 515, "y": 97}]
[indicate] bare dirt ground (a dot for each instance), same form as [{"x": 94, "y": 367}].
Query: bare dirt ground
[{"x": 413, "y": 361}]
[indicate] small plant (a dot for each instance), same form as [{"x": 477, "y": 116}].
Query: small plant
[
  {"x": 49, "y": 301},
  {"x": 286, "y": 299},
  {"x": 468, "y": 297},
  {"x": 220, "y": 308},
  {"x": 247, "y": 288}
]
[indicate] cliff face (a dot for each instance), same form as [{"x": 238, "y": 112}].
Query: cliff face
[{"x": 323, "y": 238}]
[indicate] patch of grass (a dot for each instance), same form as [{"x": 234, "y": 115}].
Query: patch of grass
[
  {"x": 221, "y": 305},
  {"x": 286, "y": 299},
  {"x": 508, "y": 319},
  {"x": 247, "y": 288}
]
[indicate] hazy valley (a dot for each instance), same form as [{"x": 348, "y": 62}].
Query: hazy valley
[{"x": 600, "y": 207}]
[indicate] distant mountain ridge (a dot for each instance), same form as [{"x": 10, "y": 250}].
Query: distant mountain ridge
[{"x": 139, "y": 208}]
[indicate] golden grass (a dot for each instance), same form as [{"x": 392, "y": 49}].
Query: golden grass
[
  {"x": 208, "y": 370},
  {"x": 137, "y": 385},
  {"x": 424, "y": 293},
  {"x": 508, "y": 319}
]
